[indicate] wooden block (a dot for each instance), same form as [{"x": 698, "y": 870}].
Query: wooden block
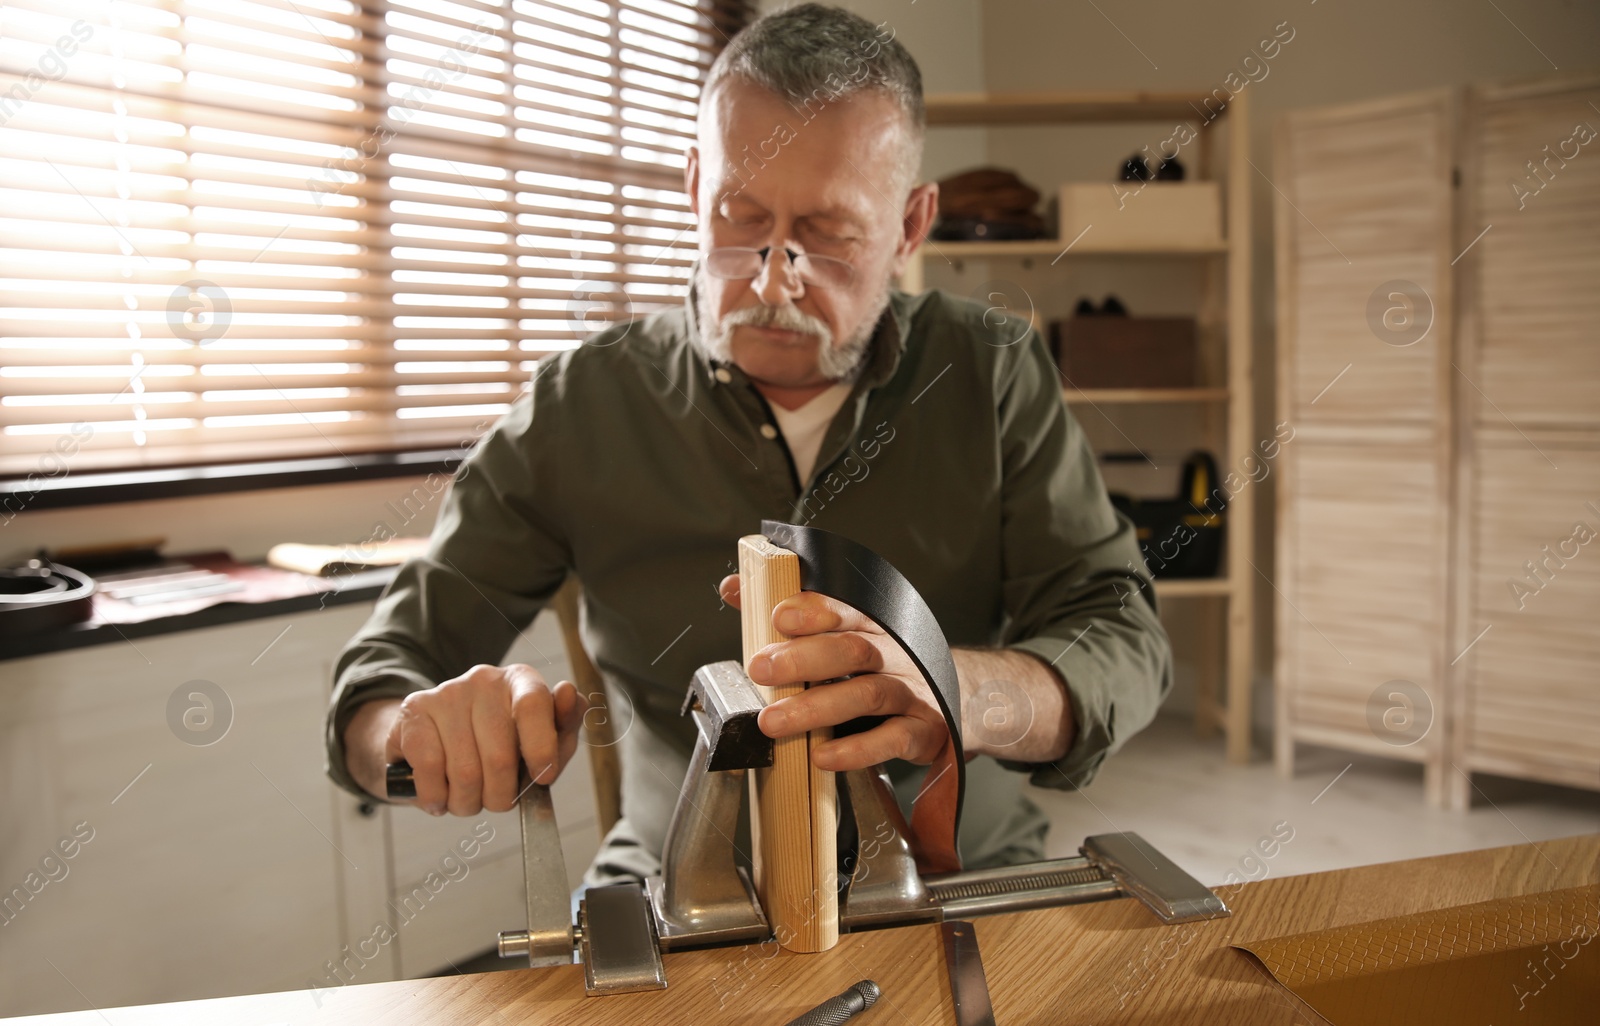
[{"x": 793, "y": 807}]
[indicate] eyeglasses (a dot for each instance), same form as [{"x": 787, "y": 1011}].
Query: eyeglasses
[{"x": 741, "y": 263}]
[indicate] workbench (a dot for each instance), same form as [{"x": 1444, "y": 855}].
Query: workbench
[{"x": 1104, "y": 963}]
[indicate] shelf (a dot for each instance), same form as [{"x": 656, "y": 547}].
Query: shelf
[
  {"x": 1053, "y": 248},
  {"x": 1227, "y": 645},
  {"x": 1193, "y": 587},
  {"x": 1145, "y": 395},
  {"x": 1062, "y": 108}
]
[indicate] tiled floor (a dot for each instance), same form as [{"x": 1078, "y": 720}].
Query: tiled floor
[{"x": 1184, "y": 798}]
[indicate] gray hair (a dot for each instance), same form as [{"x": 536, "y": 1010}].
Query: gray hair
[{"x": 813, "y": 56}]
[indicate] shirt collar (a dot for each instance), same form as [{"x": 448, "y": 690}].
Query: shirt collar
[{"x": 883, "y": 356}]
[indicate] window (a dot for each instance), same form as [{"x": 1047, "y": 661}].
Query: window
[{"x": 235, "y": 229}]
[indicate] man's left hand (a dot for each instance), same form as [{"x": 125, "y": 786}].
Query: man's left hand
[{"x": 830, "y": 640}]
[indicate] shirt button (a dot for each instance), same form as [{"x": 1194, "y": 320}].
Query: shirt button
[
  {"x": 769, "y": 432},
  {"x": 723, "y": 375}
]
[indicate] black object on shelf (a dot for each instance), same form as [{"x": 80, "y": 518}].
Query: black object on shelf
[
  {"x": 41, "y": 596},
  {"x": 987, "y": 229},
  {"x": 1135, "y": 169},
  {"x": 1181, "y": 537},
  {"x": 1169, "y": 170},
  {"x": 1111, "y": 306}
]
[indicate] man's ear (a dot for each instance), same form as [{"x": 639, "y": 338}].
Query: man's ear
[
  {"x": 691, "y": 179},
  {"x": 921, "y": 208}
]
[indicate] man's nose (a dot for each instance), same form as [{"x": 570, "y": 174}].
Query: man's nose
[{"x": 779, "y": 282}]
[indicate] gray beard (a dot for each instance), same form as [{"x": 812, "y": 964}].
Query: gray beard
[{"x": 714, "y": 338}]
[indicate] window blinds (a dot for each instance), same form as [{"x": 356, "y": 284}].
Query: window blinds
[{"x": 235, "y": 229}]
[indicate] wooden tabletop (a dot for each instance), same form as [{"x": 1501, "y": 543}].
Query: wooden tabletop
[{"x": 1103, "y": 963}]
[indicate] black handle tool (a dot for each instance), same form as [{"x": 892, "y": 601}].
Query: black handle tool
[{"x": 398, "y": 781}]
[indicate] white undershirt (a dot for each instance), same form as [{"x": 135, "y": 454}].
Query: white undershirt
[{"x": 803, "y": 428}]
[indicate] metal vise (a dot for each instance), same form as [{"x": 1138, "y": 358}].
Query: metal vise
[{"x": 703, "y": 898}]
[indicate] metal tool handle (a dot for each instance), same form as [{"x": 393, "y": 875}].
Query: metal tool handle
[
  {"x": 548, "y": 938},
  {"x": 398, "y": 780},
  {"x": 969, "y": 988},
  {"x": 837, "y": 1010},
  {"x": 1142, "y": 871}
]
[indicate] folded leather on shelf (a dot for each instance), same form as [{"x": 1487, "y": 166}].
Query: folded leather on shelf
[{"x": 1526, "y": 960}]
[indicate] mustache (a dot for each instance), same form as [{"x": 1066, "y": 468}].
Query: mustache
[{"x": 787, "y": 318}]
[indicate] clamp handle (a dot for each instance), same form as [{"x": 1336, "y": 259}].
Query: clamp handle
[
  {"x": 398, "y": 781},
  {"x": 548, "y": 939}
]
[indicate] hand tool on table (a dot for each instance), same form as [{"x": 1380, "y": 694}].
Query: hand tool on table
[
  {"x": 905, "y": 874},
  {"x": 836, "y": 1011},
  {"x": 969, "y": 988}
]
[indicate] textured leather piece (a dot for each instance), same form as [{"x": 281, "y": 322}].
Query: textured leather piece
[
  {"x": 835, "y": 566},
  {"x": 1520, "y": 960}
]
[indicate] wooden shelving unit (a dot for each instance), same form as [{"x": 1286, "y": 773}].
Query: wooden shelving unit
[
  {"x": 1055, "y": 248},
  {"x": 1193, "y": 588},
  {"x": 1046, "y": 108},
  {"x": 1145, "y": 395},
  {"x": 1226, "y": 660}
]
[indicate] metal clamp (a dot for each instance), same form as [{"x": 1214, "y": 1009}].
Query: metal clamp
[
  {"x": 617, "y": 941},
  {"x": 884, "y": 886},
  {"x": 731, "y": 703},
  {"x": 708, "y": 897},
  {"x": 1142, "y": 871},
  {"x": 616, "y": 932}
]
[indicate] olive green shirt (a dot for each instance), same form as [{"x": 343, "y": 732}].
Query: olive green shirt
[{"x": 636, "y": 463}]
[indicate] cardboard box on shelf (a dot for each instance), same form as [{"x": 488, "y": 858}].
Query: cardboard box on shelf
[
  {"x": 1126, "y": 352},
  {"x": 1140, "y": 215}
]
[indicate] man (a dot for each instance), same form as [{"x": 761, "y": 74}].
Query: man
[{"x": 794, "y": 385}]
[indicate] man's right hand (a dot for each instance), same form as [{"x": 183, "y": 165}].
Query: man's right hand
[{"x": 467, "y": 738}]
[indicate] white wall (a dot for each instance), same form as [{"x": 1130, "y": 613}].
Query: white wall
[{"x": 946, "y": 38}]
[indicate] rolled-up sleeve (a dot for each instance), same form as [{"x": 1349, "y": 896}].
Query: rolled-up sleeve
[
  {"x": 496, "y": 556},
  {"x": 1077, "y": 594}
]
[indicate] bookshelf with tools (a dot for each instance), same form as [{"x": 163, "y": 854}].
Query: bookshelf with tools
[{"x": 1186, "y": 244}]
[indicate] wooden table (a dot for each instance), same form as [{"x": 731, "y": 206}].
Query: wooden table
[{"x": 1103, "y": 963}]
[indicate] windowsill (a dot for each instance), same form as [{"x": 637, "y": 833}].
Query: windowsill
[
  {"x": 362, "y": 587},
  {"x": 93, "y": 488}
]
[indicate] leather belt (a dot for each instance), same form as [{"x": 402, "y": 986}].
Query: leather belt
[{"x": 842, "y": 569}]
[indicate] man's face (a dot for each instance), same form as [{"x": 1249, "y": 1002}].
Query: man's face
[{"x": 763, "y": 176}]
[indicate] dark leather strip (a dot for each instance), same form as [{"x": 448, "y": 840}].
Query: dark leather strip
[{"x": 842, "y": 569}]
